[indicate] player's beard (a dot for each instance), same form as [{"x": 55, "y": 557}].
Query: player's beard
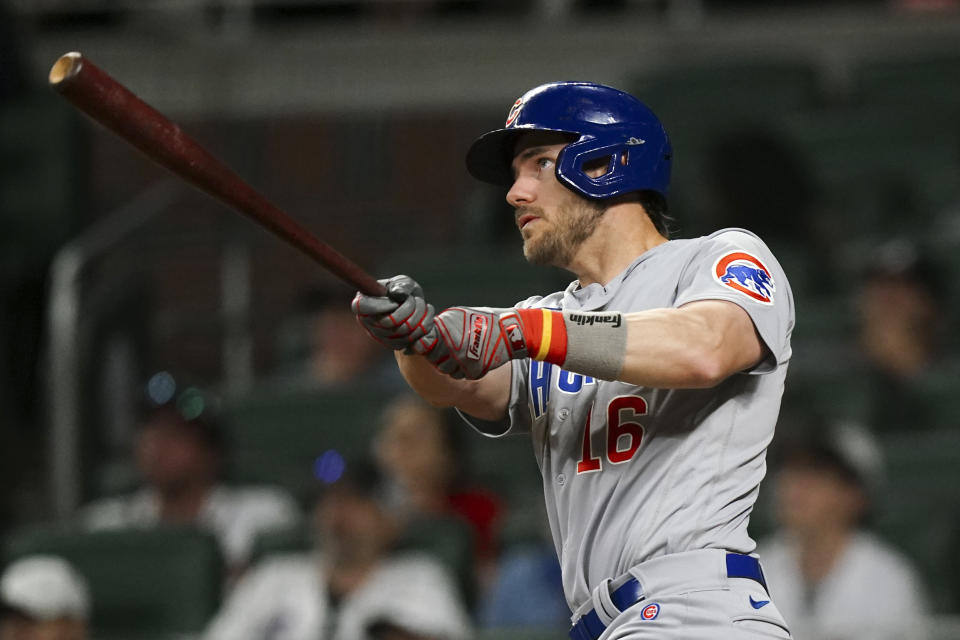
[{"x": 557, "y": 244}]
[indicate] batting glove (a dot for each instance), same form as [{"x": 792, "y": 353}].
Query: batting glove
[
  {"x": 475, "y": 340},
  {"x": 399, "y": 320}
]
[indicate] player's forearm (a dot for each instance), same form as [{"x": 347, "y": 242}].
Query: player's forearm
[
  {"x": 669, "y": 349},
  {"x": 485, "y": 398},
  {"x": 696, "y": 346}
]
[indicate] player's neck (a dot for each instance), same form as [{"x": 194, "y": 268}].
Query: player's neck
[{"x": 624, "y": 233}]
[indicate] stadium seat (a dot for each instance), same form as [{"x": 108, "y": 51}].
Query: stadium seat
[
  {"x": 919, "y": 507},
  {"x": 881, "y": 170},
  {"x": 145, "y": 584},
  {"x": 278, "y": 436}
]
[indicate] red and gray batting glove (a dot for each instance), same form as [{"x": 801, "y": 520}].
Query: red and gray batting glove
[
  {"x": 475, "y": 340},
  {"x": 471, "y": 341},
  {"x": 399, "y": 320}
]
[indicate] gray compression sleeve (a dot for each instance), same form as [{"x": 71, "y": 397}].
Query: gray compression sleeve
[{"x": 596, "y": 343}]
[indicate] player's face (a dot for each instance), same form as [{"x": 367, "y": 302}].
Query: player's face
[{"x": 553, "y": 221}]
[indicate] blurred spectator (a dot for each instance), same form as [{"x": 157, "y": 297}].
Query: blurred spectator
[
  {"x": 321, "y": 345},
  {"x": 902, "y": 321},
  {"x": 527, "y": 590},
  {"x": 43, "y": 598},
  {"x": 830, "y": 578},
  {"x": 352, "y": 587},
  {"x": 180, "y": 453},
  {"x": 421, "y": 455}
]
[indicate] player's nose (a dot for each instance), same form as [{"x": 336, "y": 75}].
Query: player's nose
[{"x": 521, "y": 192}]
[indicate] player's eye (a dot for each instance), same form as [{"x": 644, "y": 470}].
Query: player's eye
[{"x": 544, "y": 163}]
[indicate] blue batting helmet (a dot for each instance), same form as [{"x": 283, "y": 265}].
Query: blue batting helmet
[{"x": 604, "y": 122}]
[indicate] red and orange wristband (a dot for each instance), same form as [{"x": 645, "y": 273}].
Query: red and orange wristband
[{"x": 545, "y": 333}]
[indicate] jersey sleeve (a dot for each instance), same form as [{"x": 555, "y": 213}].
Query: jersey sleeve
[{"x": 736, "y": 266}]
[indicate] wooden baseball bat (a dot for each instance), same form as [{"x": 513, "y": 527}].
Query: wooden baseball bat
[{"x": 94, "y": 92}]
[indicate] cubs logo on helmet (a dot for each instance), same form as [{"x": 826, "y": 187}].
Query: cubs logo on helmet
[
  {"x": 514, "y": 112},
  {"x": 744, "y": 273}
]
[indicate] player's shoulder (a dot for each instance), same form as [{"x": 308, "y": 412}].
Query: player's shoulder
[
  {"x": 734, "y": 245},
  {"x": 734, "y": 237}
]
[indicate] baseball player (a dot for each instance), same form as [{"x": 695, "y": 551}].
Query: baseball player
[{"x": 650, "y": 387}]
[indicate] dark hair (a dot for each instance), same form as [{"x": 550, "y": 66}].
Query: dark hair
[{"x": 656, "y": 206}]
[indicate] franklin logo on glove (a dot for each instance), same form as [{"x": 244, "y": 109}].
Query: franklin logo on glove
[{"x": 478, "y": 325}]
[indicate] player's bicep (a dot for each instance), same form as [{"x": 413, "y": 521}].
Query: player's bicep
[
  {"x": 488, "y": 397},
  {"x": 738, "y": 345}
]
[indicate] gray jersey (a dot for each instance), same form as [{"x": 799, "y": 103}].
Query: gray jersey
[{"x": 631, "y": 473}]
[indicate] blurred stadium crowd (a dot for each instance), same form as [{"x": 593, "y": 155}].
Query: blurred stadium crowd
[{"x": 197, "y": 440}]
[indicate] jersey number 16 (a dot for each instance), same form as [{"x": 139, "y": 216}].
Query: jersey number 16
[{"x": 624, "y": 433}]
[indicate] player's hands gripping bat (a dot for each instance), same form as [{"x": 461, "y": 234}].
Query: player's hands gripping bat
[{"x": 399, "y": 320}]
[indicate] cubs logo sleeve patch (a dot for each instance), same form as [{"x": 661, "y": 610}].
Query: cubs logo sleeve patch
[{"x": 746, "y": 274}]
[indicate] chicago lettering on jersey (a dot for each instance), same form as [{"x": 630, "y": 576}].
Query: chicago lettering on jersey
[{"x": 541, "y": 374}]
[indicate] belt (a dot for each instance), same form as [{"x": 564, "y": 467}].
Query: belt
[{"x": 590, "y": 627}]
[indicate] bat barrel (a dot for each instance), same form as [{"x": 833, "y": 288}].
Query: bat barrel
[{"x": 111, "y": 104}]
